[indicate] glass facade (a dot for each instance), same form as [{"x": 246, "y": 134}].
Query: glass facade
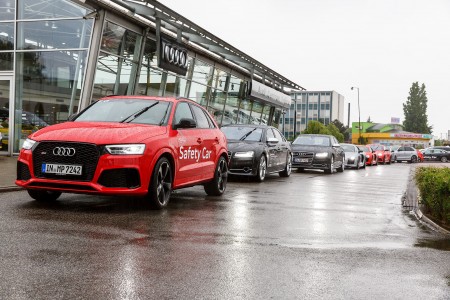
[{"x": 47, "y": 48}]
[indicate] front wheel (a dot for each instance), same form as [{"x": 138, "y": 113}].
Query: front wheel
[
  {"x": 342, "y": 168},
  {"x": 161, "y": 184},
  {"x": 288, "y": 168},
  {"x": 331, "y": 169},
  {"x": 44, "y": 196},
  {"x": 218, "y": 184},
  {"x": 262, "y": 169}
]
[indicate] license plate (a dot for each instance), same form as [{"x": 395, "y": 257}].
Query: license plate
[
  {"x": 301, "y": 160},
  {"x": 61, "y": 169}
]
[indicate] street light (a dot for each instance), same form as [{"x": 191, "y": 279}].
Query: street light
[{"x": 359, "y": 117}]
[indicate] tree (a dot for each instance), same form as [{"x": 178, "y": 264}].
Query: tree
[
  {"x": 415, "y": 110},
  {"x": 369, "y": 120},
  {"x": 315, "y": 127},
  {"x": 342, "y": 129},
  {"x": 334, "y": 131}
]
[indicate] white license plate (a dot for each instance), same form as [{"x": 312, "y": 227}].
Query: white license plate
[
  {"x": 62, "y": 169},
  {"x": 301, "y": 160}
]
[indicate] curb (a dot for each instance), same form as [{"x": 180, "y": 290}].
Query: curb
[
  {"x": 421, "y": 217},
  {"x": 6, "y": 189}
]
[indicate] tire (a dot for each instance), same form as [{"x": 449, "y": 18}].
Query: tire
[
  {"x": 44, "y": 196},
  {"x": 444, "y": 159},
  {"x": 262, "y": 169},
  {"x": 376, "y": 161},
  {"x": 358, "y": 164},
  {"x": 342, "y": 168},
  {"x": 331, "y": 169},
  {"x": 389, "y": 161},
  {"x": 288, "y": 168},
  {"x": 161, "y": 184},
  {"x": 413, "y": 159},
  {"x": 217, "y": 186}
]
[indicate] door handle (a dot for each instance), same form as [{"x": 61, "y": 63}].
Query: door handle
[{"x": 199, "y": 140}]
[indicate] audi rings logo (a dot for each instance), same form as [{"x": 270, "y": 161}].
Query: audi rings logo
[
  {"x": 173, "y": 56},
  {"x": 63, "y": 151}
]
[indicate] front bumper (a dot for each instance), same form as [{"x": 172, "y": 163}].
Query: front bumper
[
  {"x": 243, "y": 166},
  {"x": 113, "y": 175},
  {"x": 311, "y": 163}
]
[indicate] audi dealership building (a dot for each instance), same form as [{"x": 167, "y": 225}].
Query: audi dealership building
[{"x": 57, "y": 56}]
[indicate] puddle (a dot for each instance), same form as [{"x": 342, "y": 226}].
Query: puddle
[{"x": 443, "y": 245}]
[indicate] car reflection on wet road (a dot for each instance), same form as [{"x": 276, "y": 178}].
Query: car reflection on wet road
[{"x": 308, "y": 236}]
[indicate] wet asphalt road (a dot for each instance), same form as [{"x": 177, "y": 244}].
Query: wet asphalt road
[{"x": 310, "y": 236}]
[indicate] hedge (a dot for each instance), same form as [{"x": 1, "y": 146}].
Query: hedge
[{"x": 434, "y": 188}]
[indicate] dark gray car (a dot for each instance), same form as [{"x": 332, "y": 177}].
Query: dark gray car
[
  {"x": 257, "y": 150},
  {"x": 317, "y": 151}
]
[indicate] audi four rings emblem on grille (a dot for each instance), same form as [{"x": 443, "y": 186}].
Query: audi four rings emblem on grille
[{"x": 63, "y": 151}]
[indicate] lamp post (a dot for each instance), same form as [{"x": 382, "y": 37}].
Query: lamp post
[{"x": 359, "y": 117}]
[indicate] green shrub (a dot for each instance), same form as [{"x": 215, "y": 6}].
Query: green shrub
[{"x": 434, "y": 187}]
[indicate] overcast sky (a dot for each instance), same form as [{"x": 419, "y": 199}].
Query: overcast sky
[{"x": 380, "y": 46}]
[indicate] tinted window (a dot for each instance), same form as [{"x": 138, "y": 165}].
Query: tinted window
[
  {"x": 278, "y": 135},
  {"x": 363, "y": 148},
  {"x": 200, "y": 117},
  {"x": 348, "y": 148},
  {"x": 312, "y": 140},
  {"x": 183, "y": 111},
  {"x": 269, "y": 134}
]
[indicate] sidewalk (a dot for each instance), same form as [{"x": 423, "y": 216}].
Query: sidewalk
[{"x": 8, "y": 173}]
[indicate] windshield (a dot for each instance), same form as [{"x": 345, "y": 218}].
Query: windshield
[
  {"x": 312, "y": 140},
  {"x": 126, "y": 110},
  {"x": 348, "y": 148},
  {"x": 242, "y": 133},
  {"x": 377, "y": 147},
  {"x": 364, "y": 148}
]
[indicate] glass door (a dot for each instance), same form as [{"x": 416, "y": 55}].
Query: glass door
[{"x": 6, "y": 115}]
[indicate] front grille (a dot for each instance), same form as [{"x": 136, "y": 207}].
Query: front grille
[
  {"x": 120, "y": 178},
  {"x": 303, "y": 154},
  {"x": 86, "y": 155},
  {"x": 23, "y": 172}
]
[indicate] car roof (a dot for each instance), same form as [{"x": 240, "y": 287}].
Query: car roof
[
  {"x": 315, "y": 134},
  {"x": 143, "y": 97}
]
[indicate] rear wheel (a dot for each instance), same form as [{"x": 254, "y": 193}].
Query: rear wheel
[
  {"x": 218, "y": 184},
  {"x": 44, "y": 196},
  {"x": 288, "y": 168},
  {"x": 161, "y": 184},
  {"x": 444, "y": 159},
  {"x": 413, "y": 159},
  {"x": 262, "y": 169}
]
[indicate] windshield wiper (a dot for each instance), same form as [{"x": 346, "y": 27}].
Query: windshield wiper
[
  {"x": 138, "y": 113},
  {"x": 247, "y": 134},
  {"x": 164, "y": 117}
]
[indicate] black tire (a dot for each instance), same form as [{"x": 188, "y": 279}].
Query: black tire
[
  {"x": 331, "y": 169},
  {"x": 161, "y": 184},
  {"x": 262, "y": 169},
  {"x": 44, "y": 196},
  {"x": 413, "y": 159},
  {"x": 357, "y": 164},
  {"x": 376, "y": 161},
  {"x": 444, "y": 159},
  {"x": 288, "y": 168},
  {"x": 217, "y": 186},
  {"x": 342, "y": 168}
]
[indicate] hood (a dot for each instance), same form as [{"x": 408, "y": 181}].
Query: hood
[
  {"x": 98, "y": 132},
  {"x": 242, "y": 146}
]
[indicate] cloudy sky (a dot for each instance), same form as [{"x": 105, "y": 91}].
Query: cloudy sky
[{"x": 380, "y": 46}]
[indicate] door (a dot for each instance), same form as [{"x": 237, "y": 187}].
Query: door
[
  {"x": 283, "y": 147},
  {"x": 273, "y": 149},
  {"x": 6, "y": 114}
]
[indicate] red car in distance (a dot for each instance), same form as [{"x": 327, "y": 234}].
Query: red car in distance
[
  {"x": 127, "y": 145},
  {"x": 371, "y": 158},
  {"x": 383, "y": 153}
]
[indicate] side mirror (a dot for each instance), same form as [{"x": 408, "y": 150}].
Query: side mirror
[
  {"x": 272, "y": 141},
  {"x": 186, "y": 123},
  {"x": 336, "y": 145},
  {"x": 360, "y": 151}
]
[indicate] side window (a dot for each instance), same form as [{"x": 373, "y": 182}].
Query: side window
[
  {"x": 200, "y": 117},
  {"x": 410, "y": 149},
  {"x": 210, "y": 120},
  {"x": 401, "y": 149},
  {"x": 182, "y": 111},
  {"x": 269, "y": 134},
  {"x": 278, "y": 135}
]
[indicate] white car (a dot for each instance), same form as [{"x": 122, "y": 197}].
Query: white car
[{"x": 407, "y": 153}]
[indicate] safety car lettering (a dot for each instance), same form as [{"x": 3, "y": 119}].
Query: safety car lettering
[{"x": 195, "y": 154}]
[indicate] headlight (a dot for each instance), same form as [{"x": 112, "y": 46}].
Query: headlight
[
  {"x": 244, "y": 154},
  {"x": 367, "y": 156},
  {"x": 322, "y": 155},
  {"x": 125, "y": 149},
  {"x": 380, "y": 154},
  {"x": 28, "y": 144}
]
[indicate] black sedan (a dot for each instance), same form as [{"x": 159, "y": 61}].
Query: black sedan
[
  {"x": 257, "y": 150},
  {"x": 436, "y": 154},
  {"x": 317, "y": 151}
]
